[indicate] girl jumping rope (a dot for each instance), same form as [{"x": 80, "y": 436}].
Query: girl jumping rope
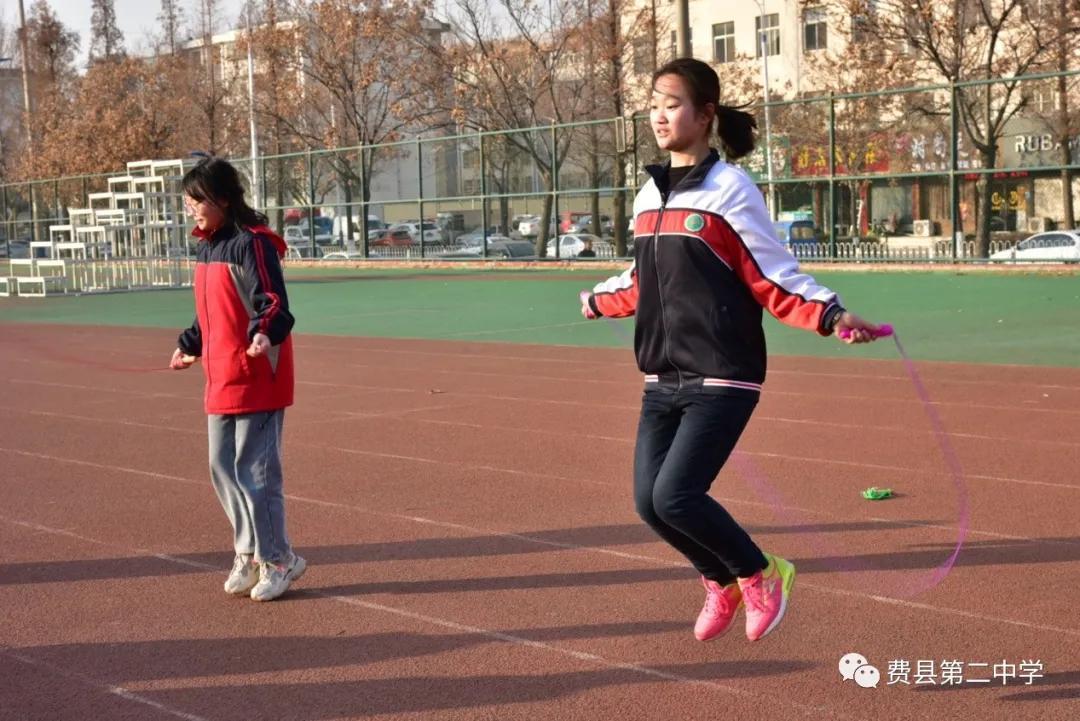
[
  {"x": 706, "y": 261},
  {"x": 242, "y": 333}
]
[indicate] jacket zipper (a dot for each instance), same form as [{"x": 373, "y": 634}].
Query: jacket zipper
[
  {"x": 206, "y": 330},
  {"x": 660, "y": 292}
]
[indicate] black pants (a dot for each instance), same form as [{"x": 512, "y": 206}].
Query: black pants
[{"x": 684, "y": 438}]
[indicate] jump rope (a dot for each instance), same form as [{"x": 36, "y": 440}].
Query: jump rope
[
  {"x": 832, "y": 557},
  {"x": 841, "y": 560}
]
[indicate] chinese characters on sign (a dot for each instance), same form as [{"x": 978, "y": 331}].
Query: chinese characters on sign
[
  {"x": 956, "y": 672},
  {"x": 946, "y": 672}
]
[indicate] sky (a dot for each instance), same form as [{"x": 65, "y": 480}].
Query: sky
[{"x": 137, "y": 19}]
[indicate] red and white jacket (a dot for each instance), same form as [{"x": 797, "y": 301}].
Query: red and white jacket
[
  {"x": 240, "y": 291},
  {"x": 706, "y": 261}
]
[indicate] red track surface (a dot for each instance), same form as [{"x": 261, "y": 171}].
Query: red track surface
[{"x": 474, "y": 554}]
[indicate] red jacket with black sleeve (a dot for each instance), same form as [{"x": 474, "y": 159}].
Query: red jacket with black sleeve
[
  {"x": 240, "y": 291},
  {"x": 706, "y": 261}
]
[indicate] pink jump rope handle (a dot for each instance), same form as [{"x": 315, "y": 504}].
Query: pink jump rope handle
[{"x": 882, "y": 332}]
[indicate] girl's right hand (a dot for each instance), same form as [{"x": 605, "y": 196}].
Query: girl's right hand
[
  {"x": 180, "y": 360},
  {"x": 850, "y": 328},
  {"x": 586, "y": 309}
]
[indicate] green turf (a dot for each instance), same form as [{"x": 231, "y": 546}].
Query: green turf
[{"x": 971, "y": 317}]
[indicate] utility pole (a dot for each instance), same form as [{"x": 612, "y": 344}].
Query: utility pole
[
  {"x": 24, "y": 45},
  {"x": 763, "y": 44},
  {"x": 683, "y": 49},
  {"x": 255, "y": 195}
]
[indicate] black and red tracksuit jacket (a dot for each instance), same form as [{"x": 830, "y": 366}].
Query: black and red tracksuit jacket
[
  {"x": 240, "y": 291},
  {"x": 706, "y": 261}
]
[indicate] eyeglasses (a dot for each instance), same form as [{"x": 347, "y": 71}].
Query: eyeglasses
[{"x": 191, "y": 205}]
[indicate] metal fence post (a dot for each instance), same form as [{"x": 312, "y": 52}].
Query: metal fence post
[
  {"x": 420, "y": 189},
  {"x": 484, "y": 200},
  {"x": 832, "y": 176},
  {"x": 555, "y": 185},
  {"x": 954, "y": 195},
  {"x": 311, "y": 202},
  {"x": 364, "y": 204}
]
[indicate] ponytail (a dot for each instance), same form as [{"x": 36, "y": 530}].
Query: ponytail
[{"x": 735, "y": 128}]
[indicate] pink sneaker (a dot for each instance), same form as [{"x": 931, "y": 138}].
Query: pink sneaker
[
  {"x": 766, "y": 596},
  {"x": 721, "y": 604}
]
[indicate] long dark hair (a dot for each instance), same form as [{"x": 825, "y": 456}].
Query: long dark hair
[
  {"x": 215, "y": 180},
  {"x": 734, "y": 126}
]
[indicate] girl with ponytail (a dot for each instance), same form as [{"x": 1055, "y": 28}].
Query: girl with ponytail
[{"x": 707, "y": 262}]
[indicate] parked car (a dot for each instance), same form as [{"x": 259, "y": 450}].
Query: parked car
[
  {"x": 374, "y": 223},
  {"x": 476, "y": 237},
  {"x": 793, "y": 233},
  {"x": 583, "y": 224},
  {"x": 571, "y": 244},
  {"x": 298, "y": 235},
  {"x": 19, "y": 248},
  {"x": 323, "y": 225},
  {"x": 432, "y": 234},
  {"x": 1053, "y": 245},
  {"x": 530, "y": 227},
  {"x": 502, "y": 248},
  {"x": 395, "y": 237}
]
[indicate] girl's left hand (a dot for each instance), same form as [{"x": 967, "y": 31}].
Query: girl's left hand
[
  {"x": 260, "y": 344},
  {"x": 859, "y": 330}
]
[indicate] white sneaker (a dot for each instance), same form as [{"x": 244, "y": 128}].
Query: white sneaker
[
  {"x": 243, "y": 577},
  {"x": 275, "y": 579}
]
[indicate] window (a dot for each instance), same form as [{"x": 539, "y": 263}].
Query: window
[
  {"x": 769, "y": 35},
  {"x": 675, "y": 43},
  {"x": 723, "y": 35},
  {"x": 642, "y": 56},
  {"x": 815, "y": 31},
  {"x": 862, "y": 24},
  {"x": 1046, "y": 99}
]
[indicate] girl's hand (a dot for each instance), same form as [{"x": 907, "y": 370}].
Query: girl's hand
[
  {"x": 586, "y": 309},
  {"x": 850, "y": 328},
  {"x": 260, "y": 344},
  {"x": 180, "y": 360}
]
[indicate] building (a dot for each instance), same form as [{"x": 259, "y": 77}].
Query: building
[{"x": 784, "y": 38}]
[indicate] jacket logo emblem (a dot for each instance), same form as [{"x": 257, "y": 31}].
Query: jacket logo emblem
[{"x": 694, "y": 223}]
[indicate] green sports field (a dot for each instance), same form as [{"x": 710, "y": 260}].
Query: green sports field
[{"x": 1022, "y": 318}]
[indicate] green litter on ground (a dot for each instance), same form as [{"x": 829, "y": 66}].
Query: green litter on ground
[{"x": 877, "y": 494}]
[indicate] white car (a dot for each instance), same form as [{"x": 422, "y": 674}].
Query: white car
[
  {"x": 571, "y": 245},
  {"x": 297, "y": 235},
  {"x": 584, "y": 225},
  {"x": 530, "y": 227},
  {"x": 1053, "y": 245}
]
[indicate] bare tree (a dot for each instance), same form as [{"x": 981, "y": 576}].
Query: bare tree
[
  {"x": 209, "y": 86},
  {"x": 610, "y": 34},
  {"x": 280, "y": 96},
  {"x": 51, "y": 47},
  {"x": 171, "y": 21},
  {"x": 966, "y": 40},
  {"x": 106, "y": 40},
  {"x": 539, "y": 77},
  {"x": 10, "y": 124},
  {"x": 368, "y": 81}
]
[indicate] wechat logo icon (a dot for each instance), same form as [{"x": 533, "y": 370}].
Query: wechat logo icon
[{"x": 855, "y": 667}]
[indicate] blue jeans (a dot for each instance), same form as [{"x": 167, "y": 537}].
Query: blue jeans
[
  {"x": 684, "y": 437},
  {"x": 245, "y": 468}
]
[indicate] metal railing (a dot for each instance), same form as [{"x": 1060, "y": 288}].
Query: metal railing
[{"x": 887, "y": 165}]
